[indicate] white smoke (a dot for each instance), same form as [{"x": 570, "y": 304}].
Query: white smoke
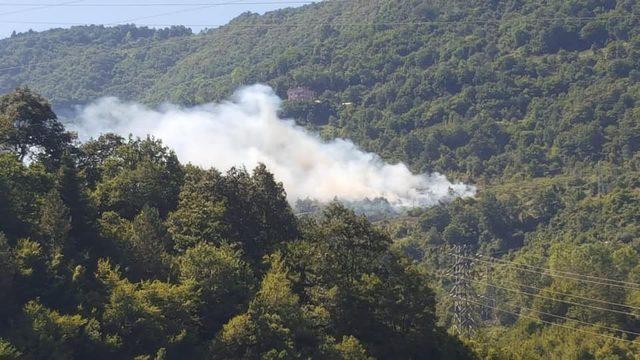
[{"x": 248, "y": 131}]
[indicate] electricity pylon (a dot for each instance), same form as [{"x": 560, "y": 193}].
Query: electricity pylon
[{"x": 464, "y": 312}]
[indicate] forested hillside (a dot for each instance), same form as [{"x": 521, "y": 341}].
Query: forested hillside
[
  {"x": 113, "y": 249},
  {"x": 483, "y": 89},
  {"x": 536, "y": 103}
]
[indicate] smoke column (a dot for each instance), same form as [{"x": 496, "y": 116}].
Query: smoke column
[{"x": 247, "y": 131}]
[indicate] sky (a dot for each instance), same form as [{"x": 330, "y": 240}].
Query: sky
[{"x": 38, "y": 15}]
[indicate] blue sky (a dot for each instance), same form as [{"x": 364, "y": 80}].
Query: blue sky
[{"x": 22, "y": 15}]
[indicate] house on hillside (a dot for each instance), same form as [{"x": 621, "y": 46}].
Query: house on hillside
[{"x": 300, "y": 93}]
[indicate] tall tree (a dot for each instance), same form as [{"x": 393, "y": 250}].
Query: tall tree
[
  {"x": 140, "y": 172},
  {"x": 7, "y": 278},
  {"x": 199, "y": 216},
  {"x": 225, "y": 282},
  {"x": 275, "y": 325},
  {"x": 149, "y": 244},
  {"x": 71, "y": 186},
  {"x": 28, "y": 126},
  {"x": 55, "y": 222}
]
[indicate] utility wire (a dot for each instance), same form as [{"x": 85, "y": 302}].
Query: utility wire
[
  {"x": 551, "y": 274},
  {"x": 75, "y": 4},
  {"x": 576, "y": 320},
  {"x": 571, "y": 295},
  {"x": 561, "y": 271},
  {"x": 579, "y": 321},
  {"x": 173, "y": 12},
  {"x": 388, "y": 23},
  {"x": 41, "y": 6},
  {"x": 552, "y": 323},
  {"x": 553, "y": 299}
]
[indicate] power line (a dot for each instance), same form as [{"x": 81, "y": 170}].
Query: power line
[
  {"x": 75, "y": 4},
  {"x": 552, "y": 323},
  {"x": 572, "y": 295},
  {"x": 562, "y": 272},
  {"x": 171, "y": 13},
  {"x": 40, "y": 6},
  {"x": 553, "y": 299},
  {"x": 549, "y": 273},
  {"x": 390, "y": 23},
  {"x": 578, "y": 321}
]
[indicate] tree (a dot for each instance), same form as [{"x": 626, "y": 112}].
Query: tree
[
  {"x": 249, "y": 210},
  {"x": 224, "y": 281},
  {"x": 8, "y": 351},
  {"x": 350, "y": 348},
  {"x": 149, "y": 245},
  {"x": 45, "y": 333},
  {"x": 392, "y": 311},
  {"x": 32, "y": 267},
  {"x": 7, "y": 274},
  {"x": 55, "y": 222},
  {"x": 142, "y": 318},
  {"x": 349, "y": 245},
  {"x": 278, "y": 224},
  {"x": 141, "y": 172},
  {"x": 28, "y": 124},
  {"x": 275, "y": 326},
  {"x": 94, "y": 153},
  {"x": 199, "y": 216},
  {"x": 71, "y": 186},
  {"x": 20, "y": 187}
]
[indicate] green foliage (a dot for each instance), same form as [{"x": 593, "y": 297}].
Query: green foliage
[
  {"x": 72, "y": 187},
  {"x": 536, "y": 341},
  {"x": 484, "y": 90},
  {"x": 148, "y": 244},
  {"x": 28, "y": 126},
  {"x": 46, "y": 333},
  {"x": 116, "y": 250},
  {"x": 248, "y": 210},
  {"x": 139, "y": 173},
  {"x": 55, "y": 222},
  {"x": 537, "y": 103},
  {"x": 199, "y": 216},
  {"x": 20, "y": 187},
  {"x": 8, "y": 351},
  {"x": 224, "y": 281},
  {"x": 274, "y": 327},
  {"x": 350, "y": 348},
  {"x": 141, "y": 318},
  {"x": 8, "y": 270},
  {"x": 345, "y": 266}
]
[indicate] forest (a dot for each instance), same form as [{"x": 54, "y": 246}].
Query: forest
[
  {"x": 113, "y": 249},
  {"x": 536, "y": 103}
]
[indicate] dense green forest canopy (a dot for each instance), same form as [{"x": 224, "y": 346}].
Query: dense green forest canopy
[
  {"x": 483, "y": 89},
  {"x": 113, "y": 249},
  {"x": 538, "y": 103}
]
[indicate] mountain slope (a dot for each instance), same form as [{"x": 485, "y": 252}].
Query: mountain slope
[
  {"x": 537, "y": 103},
  {"x": 477, "y": 89}
]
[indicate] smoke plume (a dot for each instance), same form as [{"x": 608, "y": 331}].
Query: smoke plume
[{"x": 247, "y": 131}]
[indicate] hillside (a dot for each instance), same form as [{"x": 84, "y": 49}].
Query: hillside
[
  {"x": 536, "y": 103},
  {"x": 483, "y": 89}
]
